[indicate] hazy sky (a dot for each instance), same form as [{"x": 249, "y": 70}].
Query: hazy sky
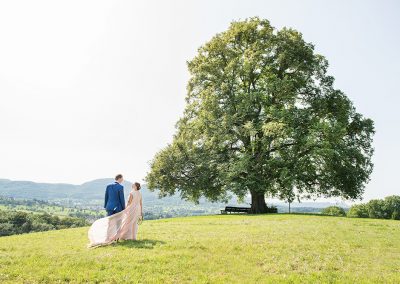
[{"x": 89, "y": 89}]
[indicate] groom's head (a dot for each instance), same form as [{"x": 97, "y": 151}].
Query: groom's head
[{"x": 119, "y": 178}]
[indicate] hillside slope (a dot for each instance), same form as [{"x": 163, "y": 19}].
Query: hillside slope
[{"x": 214, "y": 249}]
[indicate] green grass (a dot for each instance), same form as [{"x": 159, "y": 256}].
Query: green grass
[{"x": 214, "y": 249}]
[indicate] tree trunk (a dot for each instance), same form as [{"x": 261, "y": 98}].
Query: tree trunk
[
  {"x": 258, "y": 204},
  {"x": 289, "y": 206}
]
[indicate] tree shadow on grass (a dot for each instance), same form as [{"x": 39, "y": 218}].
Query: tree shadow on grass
[{"x": 142, "y": 244}]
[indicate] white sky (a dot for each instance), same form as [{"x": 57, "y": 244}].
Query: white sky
[{"x": 89, "y": 89}]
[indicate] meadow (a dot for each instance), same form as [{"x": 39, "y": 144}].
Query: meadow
[{"x": 275, "y": 248}]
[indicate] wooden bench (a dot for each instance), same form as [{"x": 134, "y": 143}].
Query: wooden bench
[{"x": 232, "y": 209}]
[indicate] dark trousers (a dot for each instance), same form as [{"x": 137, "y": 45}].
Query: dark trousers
[
  {"x": 112, "y": 212},
  {"x": 109, "y": 213}
]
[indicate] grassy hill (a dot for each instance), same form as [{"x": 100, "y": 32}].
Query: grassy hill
[{"x": 214, "y": 249}]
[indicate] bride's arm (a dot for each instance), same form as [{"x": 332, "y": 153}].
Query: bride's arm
[
  {"x": 141, "y": 203},
  {"x": 129, "y": 200}
]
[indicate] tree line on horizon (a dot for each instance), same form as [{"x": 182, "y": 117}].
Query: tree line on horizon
[
  {"x": 18, "y": 222},
  {"x": 387, "y": 208}
]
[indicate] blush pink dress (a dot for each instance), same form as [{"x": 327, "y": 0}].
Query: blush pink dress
[{"x": 122, "y": 225}]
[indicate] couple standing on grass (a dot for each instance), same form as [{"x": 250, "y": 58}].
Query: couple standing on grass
[{"x": 122, "y": 221}]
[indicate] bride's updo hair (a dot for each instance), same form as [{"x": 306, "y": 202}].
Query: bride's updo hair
[{"x": 137, "y": 185}]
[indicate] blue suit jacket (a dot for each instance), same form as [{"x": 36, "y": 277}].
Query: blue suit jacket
[{"x": 114, "y": 199}]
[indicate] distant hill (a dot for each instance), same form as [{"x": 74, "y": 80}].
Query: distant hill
[
  {"x": 90, "y": 195},
  {"x": 30, "y": 190},
  {"x": 93, "y": 191},
  {"x": 90, "y": 191},
  {"x": 50, "y": 191}
]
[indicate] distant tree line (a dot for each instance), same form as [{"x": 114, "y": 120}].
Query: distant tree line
[
  {"x": 25, "y": 202},
  {"x": 334, "y": 211},
  {"x": 42, "y": 206},
  {"x": 387, "y": 208},
  {"x": 17, "y": 222}
]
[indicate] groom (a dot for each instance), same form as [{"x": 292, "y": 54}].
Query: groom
[{"x": 114, "y": 200}]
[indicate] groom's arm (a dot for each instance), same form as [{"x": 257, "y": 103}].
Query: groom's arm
[
  {"x": 122, "y": 198},
  {"x": 106, "y": 197}
]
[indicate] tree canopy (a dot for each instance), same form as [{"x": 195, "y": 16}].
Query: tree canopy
[{"x": 262, "y": 117}]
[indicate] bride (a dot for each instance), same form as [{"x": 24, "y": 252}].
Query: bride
[{"x": 120, "y": 226}]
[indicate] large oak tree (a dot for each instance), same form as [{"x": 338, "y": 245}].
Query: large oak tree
[{"x": 263, "y": 117}]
